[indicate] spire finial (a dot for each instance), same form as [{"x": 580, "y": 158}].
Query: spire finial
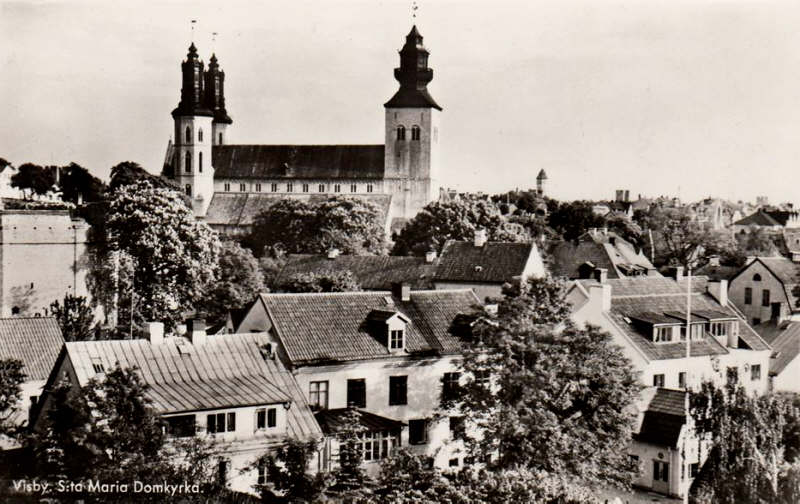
[
  {"x": 213, "y": 42},
  {"x": 193, "y": 23},
  {"x": 414, "y": 9}
]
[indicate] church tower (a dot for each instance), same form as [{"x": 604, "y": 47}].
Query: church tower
[
  {"x": 215, "y": 101},
  {"x": 412, "y": 133},
  {"x": 193, "y": 130}
]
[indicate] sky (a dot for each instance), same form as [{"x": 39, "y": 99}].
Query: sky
[{"x": 681, "y": 97}]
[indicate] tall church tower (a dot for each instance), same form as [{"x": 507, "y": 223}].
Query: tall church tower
[
  {"x": 193, "y": 131},
  {"x": 215, "y": 101},
  {"x": 411, "y": 162}
]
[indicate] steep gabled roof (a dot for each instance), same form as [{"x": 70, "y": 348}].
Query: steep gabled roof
[
  {"x": 784, "y": 270},
  {"x": 759, "y": 218},
  {"x": 36, "y": 341},
  {"x": 334, "y": 327},
  {"x": 784, "y": 338},
  {"x": 298, "y": 161},
  {"x": 372, "y": 272},
  {"x": 605, "y": 250},
  {"x": 494, "y": 262}
]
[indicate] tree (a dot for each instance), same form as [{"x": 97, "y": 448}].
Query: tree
[
  {"x": 325, "y": 281},
  {"x": 238, "y": 280},
  {"x": 746, "y": 460},
  {"x": 129, "y": 172},
  {"x": 573, "y": 219},
  {"x": 288, "y": 479},
  {"x": 173, "y": 257},
  {"x": 454, "y": 220},
  {"x": 349, "y": 476},
  {"x": 78, "y": 184},
  {"x": 34, "y": 179},
  {"x": 351, "y": 225},
  {"x": 75, "y": 317},
  {"x": 544, "y": 394},
  {"x": 11, "y": 377}
]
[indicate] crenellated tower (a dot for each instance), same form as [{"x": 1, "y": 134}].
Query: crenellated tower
[
  {"x": 412, "y": 132},
  {"x": 193, "y": 131},
  {"x": 215, "y": 101}
]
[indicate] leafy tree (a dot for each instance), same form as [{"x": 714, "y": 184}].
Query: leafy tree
[
  {"x": 546, "y": 395},
  {"x": 75, "y": 317},
  {"x": 573, "y": 219},
  {"x": 4, "y": 163},
  {"x": 351, "y": 225},
  {"x": 11, "y": 377},
  {"x": 326, "y": 281},
  {"x": 238, "y": 280},
  {"x": 129, "y": 172},
  {"x": 454, "y": 220},
  {"x": 625, "y": 227},
  {"x": 288, "y": 479},
  {"x": 34, "y": 179},
  {"x": 77, "y": 183},
  {"x": 757, "y": 242},
  {"x": 349, "y": 476},
  {"x": 173, "y": 257}
]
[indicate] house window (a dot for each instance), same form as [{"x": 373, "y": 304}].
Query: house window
[
  {"x": 415, "y": 133},
  {"x": 357, "y": 393},
  {"x": 227, "y": 187},
  {"x": 453, "y": 462},
  {"x": 337, "y": 188},
  {"x": 188, "y": 189},
  {"x": 719, "y": 328},
  {"x": 401, "y": 133},
  {"x": 662, "y": 334},
  {"x": 258, "y": 186},
  {"x": 694, "y": 470},
  {"x": 450, "y": 385},
  {"x": 305, "y": 187},
  {"x": 396, "y": 339},
  {"x": 353, "y": 187},
  {"x": 661, "y": 471},
  {"x": 756, "y": 277},
  {"x": 755, "y": 372},
  {"x": 748, "y": 295},
  {"x": 187, "y": 165},
  {"x": 262, "y": 475},
  {"x": 377, "y": 445},
  {"x": 242, "y": 187},
  {"x": 682, "y": 379},
  {"x": 658, "y": 380},
  {"x": 318, "y": 394},
  {"x": 222, "y": 472},
  {"x": 418, "y": 431},
  {"x": 266, "y": 418},
  {"x": 765, "y": 297},
  {"x": 200, "y": 135},
  {"x": 181, "y": 426},
  {"x": 188, "y": 135},
  {"x": 273, "y": 187},
  {"x": 482, "y": 377},
  {"x": 200, "y": 162},
  {"x": 369, "y": 188},
  {"x": 398, "y": 386},
  {"x": 272, "y": 417},
  {"x": 456, "y": 427},
  {"x": 322, "y": 188},
  {"x": 289, "y": 187},
  {"x": 732, "y": 373}
]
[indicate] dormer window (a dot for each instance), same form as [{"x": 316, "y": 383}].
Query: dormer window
[
  {"x": 396, "y": 339},
  {"x": 662, "y": 334},
  {"x": 389, "y": 326}
]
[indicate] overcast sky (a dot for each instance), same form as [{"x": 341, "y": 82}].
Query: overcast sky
[{"x": 701, "y": 97}]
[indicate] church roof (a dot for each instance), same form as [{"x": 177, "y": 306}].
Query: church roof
[
  {"x": 298, "y": 161},
  {"x": 412, "y": 98}
]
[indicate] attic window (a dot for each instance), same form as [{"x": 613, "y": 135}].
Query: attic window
[
  {"x": 97, "y": 365},
  {"x": 396, "y": 339},
  {"x": 756, "y": 277},
  {"x": 478, "y": 269},
  {"x": 662, "y": 334}
]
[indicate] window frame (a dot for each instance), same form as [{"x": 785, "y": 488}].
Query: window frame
[
  {"x": 748, "y": 295},
  {"x": 765, "y": 295},
  {"x": 659, "y": 380},
  {"x": 319, "y": 393},
  {"x": 356, "y": 393},
  {"x": 450, "y": 385},
  {"x": 755, "y": 372},
  {"x": 422, "y": 437},
  {"x": 398, "y": 390}
]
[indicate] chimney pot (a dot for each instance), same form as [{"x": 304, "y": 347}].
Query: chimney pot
[
  {"x": 196, "y": 329},
  {"x": 155, "y": 332}
]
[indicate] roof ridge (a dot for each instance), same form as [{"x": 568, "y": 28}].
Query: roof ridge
[
  {"x": 47, "y": 317},
  {"x": 301, "y": 145}
]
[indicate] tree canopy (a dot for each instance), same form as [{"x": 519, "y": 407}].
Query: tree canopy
[
  {"x": 130, "y": 172},
  {"x": 33, "y": 179},
  {"x": 11, "y": 377},
  {"x": 75, "y": 317},
  {"x": 324, "y": 281},
  {"x": 238, "y": 280},
  {"x": 77, "y": 183}
]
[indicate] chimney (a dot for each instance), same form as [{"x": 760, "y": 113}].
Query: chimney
[
  {"x": 480, "y": 237},
  {"x": 402, "y": 291},
  {"x": 718, "y": 289},
  {"x": 333, "y": 253},
  {"x": 196, "y": 330},
  {"x": 155, "y": 332},
  {"x": 601, "y": 275},
  {"x": 600, "y": 296},
  {"x": 676, "y": 272},
  {"x": 430, "y": 256}
]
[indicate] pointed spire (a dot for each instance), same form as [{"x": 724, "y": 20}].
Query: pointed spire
[
  {"x": 192, "y": 88},
  {"x": 214, "y": 98},
  {"x": 413, "y": 75}
]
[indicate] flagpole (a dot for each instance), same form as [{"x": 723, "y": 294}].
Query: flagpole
[{"x": 686, "y": 464}]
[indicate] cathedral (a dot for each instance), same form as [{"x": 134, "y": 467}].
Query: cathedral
[{"x": 229, "y": 184}]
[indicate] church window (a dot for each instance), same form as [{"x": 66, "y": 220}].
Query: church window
[
  {"x": 305, "y": 187},
  {"x": 322, "y": 188},
  {"x": 369, "y": 187},
  {"x": 415, "y": 133},
  {"x": 188, "y": 165},
  {"x": 289, "y": 187},
  {"x": 200, "y": 135},
  {"x": 220, "y": 139},
  {"x": 353, "y": 188},
  {"x": 258, "y": 187},
  {"x": 337, "y": 188},
  {"x": 200, "y": 162},
  {"x": 188, "y": 135},
  {"x": 273, "y": 187},
  {"x": 227, "y": 186},
  {"x": 188, "y": 189},
  {"x": 242, "y": 187},
  {"x": 401, "y": 132}
]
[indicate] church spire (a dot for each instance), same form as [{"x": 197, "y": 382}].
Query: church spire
[
  {"x": 413, "y": 75},
  {"x": 215, "y": 91},
  {"x": 191, "y": 103}
]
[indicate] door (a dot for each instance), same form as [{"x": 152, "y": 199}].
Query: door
[{"x": 661, "y": 476}]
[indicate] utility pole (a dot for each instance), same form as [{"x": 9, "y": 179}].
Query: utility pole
[{"x": 686, "y": 465}]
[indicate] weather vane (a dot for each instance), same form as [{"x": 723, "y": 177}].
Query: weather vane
[
  {"x": 414, "y": 8},
  {"x": 193, "y": 23},
  {"x": 213, "y": 41}
]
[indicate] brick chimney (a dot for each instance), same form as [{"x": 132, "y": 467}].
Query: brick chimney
[
  {"x": 600, "y": 296},
  {"x": 155, "y": 332},
  {"x": 480, "y": 237},
  {"x": 196, "y": 331},
  {"x": 402, "y": 291},
  {"x": 676, "y": 272}
]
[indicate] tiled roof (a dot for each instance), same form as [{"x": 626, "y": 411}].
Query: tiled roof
[
  {"x": 298, "y": 161},
  {"x": 603, "y": 250},
  {"x": 240, "y": 209},
  {"x": 332, "y": 327},
  {"x": 784, "y": 339},
  {"x": 716, "y": 273},
  {"x": 495, "y": 262},
  {"x": 36, "y": 341},
  {"x": 333, "y": 420},
  {"x": 225, "y": 371},
  {"x": 632, "y": 297},
  {"x": 372, "y": 272},
  {"x": 668, "y": 401},
  {"x": 757, "y": 219},
  {"x": 663, "y": 419}
]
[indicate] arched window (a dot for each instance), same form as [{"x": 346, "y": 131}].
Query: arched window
[
  {"x": 220, "y": 139},
  {"x": 415, "y": 132},
  {"x": 188, "y": 134},
  {"x": 401, "y": 132},
  {"x": 187, "y": 167},
  {"x": 188, "y": 189},
  {"x": 200, "y": 135},
  {"x": 756, "y": 277},
  {"x": 15, "y": 310},
  {"x": 200, "y": 158}
]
